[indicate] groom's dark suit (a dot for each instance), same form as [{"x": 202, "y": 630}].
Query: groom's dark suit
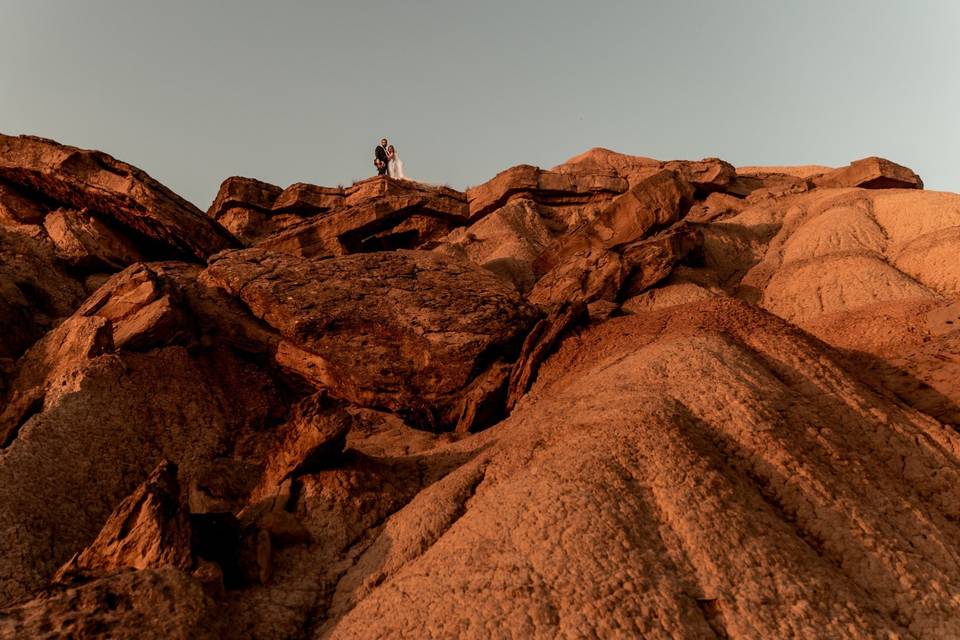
[{"x": 381, "y": 155}]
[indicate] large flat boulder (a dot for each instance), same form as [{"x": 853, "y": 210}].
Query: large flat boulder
[{"x": 405, "y": 330}]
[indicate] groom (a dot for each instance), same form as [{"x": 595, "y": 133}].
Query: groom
[{"x": 380, "y": 157}]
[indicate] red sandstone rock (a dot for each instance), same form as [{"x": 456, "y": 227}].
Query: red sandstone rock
[
  {"x": 635, "y": 457},
  {"x": 47, "y": 369},
  {"x": 507, "y": 242},
  {"x": 547, "y": 187},
  {"x": 164, "y": 223},
  {"x": 85, "y": 242},
  {"x": 539, "y": 343},
  {"x": 708, "y": 175},
  {"x": 403, "y": 330},
  {"x": 595, "y": 261},
  {"x": 652, "y": 259},
  {"x": 35, "y": 289},
  {"x": 305, "y": 199},
  {"x": 312, "y": 440},
  {"x": 871, "y": 173},
  {"x": 244, "y": 207},
  {"x": 391, "y": 222},
  {"x": 144, "y": 313},
  {"x": 16, "y": 208},
  {"x": 656, "y": 202},
  {"x": 147, "y": 529},
  {"x": 244, "y": 192}
]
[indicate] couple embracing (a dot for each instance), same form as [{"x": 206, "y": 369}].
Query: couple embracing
[{"x": 387, "y": 162}]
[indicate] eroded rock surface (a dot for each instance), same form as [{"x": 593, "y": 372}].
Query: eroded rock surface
[
  {"x": 668, "y": 461},
  {"x": 618, "y": 397}
]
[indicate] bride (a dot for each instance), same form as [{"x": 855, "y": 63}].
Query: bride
[{"x": 394, "y": 164}]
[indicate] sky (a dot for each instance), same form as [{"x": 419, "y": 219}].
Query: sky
[{"x": 194, "y": 92}]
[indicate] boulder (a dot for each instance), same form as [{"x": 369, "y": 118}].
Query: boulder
[
  {"x": 310, "y": 441},
  {"x": 243, "y": 206},
  {"x": 161, "y": 223},
  {"x": 243, "y": 192},
  {"x": 708, "y": 175},
  {"x": 595, "y": 261},
  {"x": 304, "y": 199},
  {"x": 716, "y": 206},
  {"x": 145, "y": 310},
  {"x": 507, "y": 242},
  {"x": 584, "y": 276},
  {"x": 404, "y": 330},
  {"x": 88, "y": 244},
  {"x": 652, "y": 259},
  {"x": 148, "y": 529},
  {"x": 871, "y": 173}
]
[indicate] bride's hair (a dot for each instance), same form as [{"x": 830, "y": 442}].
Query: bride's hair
[{"x": 390, "y": 148}]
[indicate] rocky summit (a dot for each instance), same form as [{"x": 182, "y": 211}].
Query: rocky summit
[{"x": 621, "y": 397}]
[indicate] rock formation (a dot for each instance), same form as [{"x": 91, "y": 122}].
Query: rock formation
[{"x": 620, "y": 397}]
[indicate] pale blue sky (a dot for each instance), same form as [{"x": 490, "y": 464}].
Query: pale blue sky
[{"x": 196, "y": 91}]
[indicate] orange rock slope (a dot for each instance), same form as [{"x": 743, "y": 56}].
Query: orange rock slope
[{"x": 621, "y": 397}]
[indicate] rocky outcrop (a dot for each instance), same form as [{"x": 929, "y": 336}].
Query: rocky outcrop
[
  {"x": 46, "y": 370},
  {"x": 587, "y": 404},
  {"x": 506, "y": 242},
  {"x": 595, "y": 261},
  {"x": 312, "y": 440},
  {"x": 832, "y": 250},
  {"x": 381, "y": 214},
  {"x": 163, "y": 224},
  {"x": 871, "y": 173},
  {"x": 132, "y": 409}
]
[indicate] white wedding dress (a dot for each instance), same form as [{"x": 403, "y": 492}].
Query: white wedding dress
[{"x": 395, "y": 168}]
